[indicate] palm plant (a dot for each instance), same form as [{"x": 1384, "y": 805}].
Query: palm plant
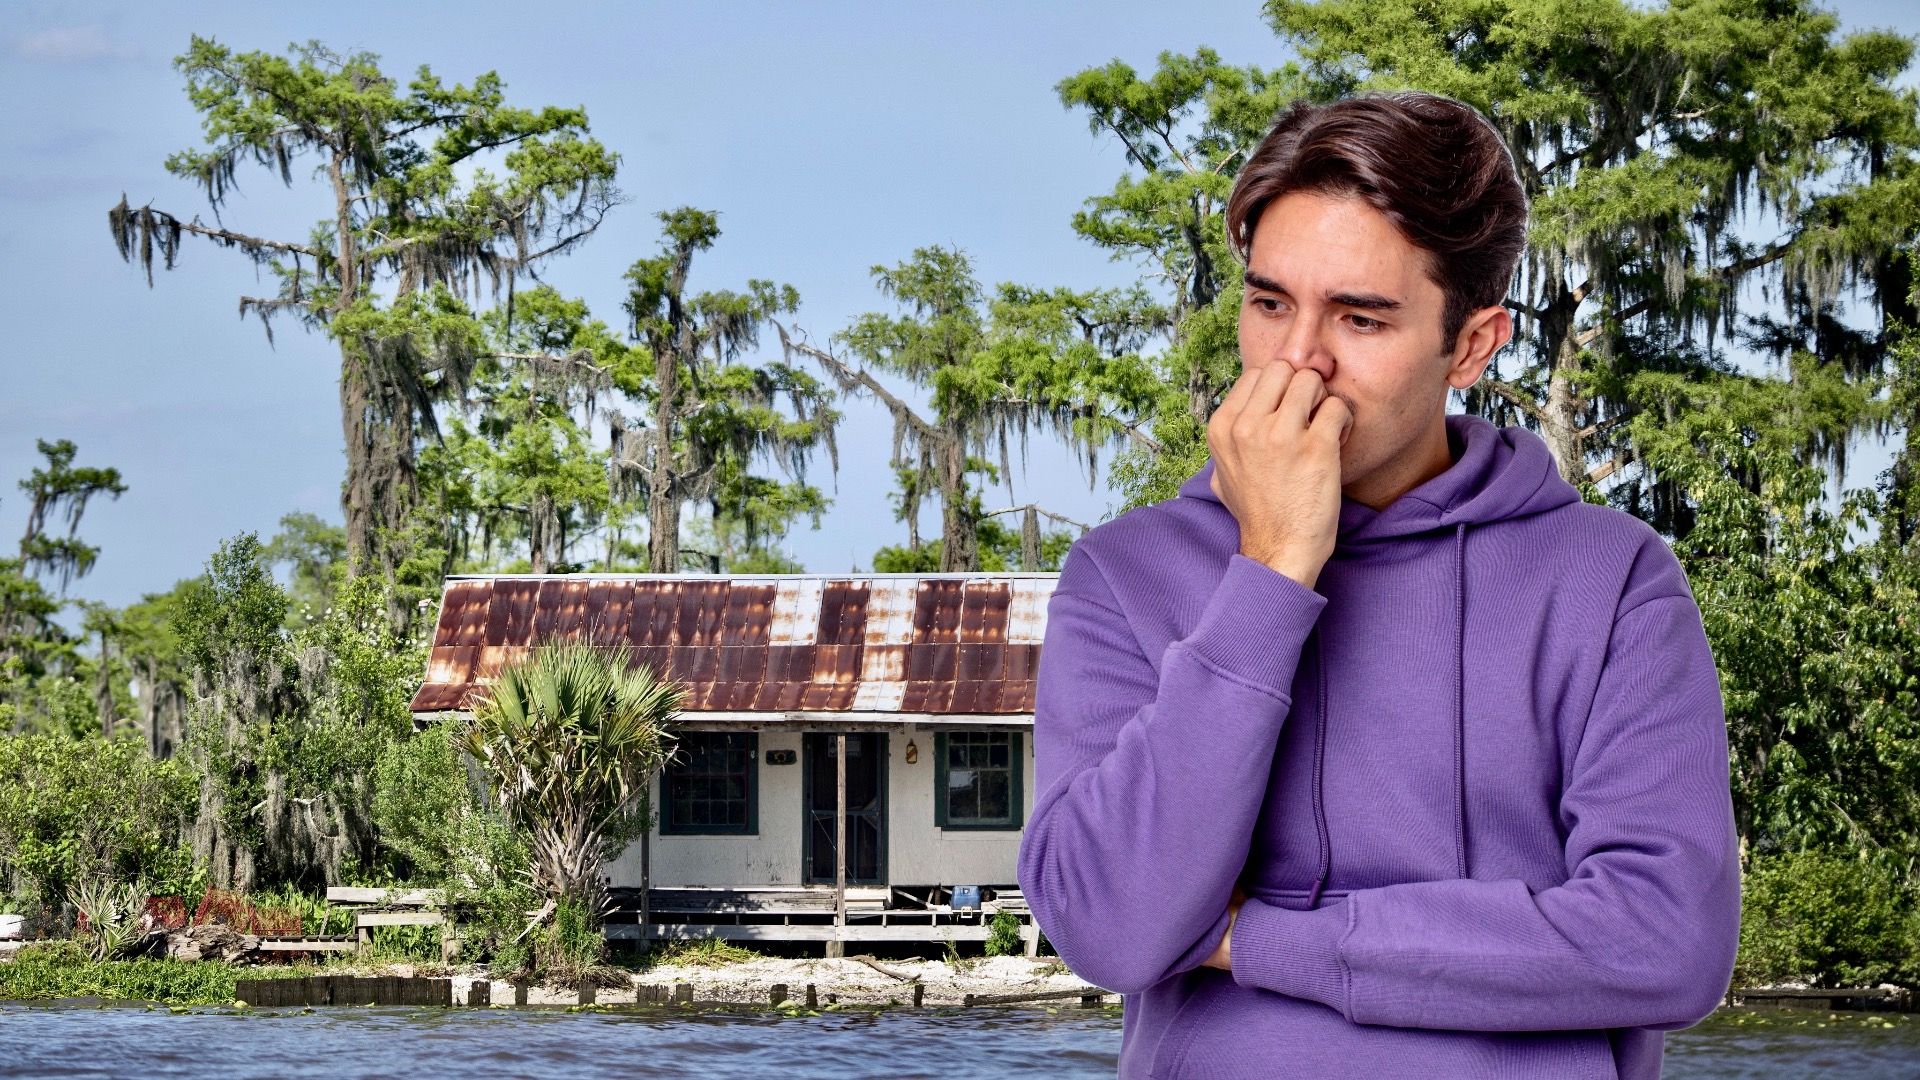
[{"x": 568, "y": 737}]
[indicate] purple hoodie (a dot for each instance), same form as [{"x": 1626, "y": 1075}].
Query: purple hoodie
[{"x": 1473, "y": 784}]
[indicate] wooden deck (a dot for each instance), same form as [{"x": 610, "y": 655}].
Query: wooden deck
[{"x": 873, "y": 913}]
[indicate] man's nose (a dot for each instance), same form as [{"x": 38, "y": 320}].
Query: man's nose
[{"x": 1304, "y": 346}]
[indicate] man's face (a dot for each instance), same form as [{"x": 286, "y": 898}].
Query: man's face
[{"x": 1332, "y": 285}]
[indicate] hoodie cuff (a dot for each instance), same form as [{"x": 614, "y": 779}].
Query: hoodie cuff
[
  {"x": 1255, "y": 623},
  {"x": 1291, "y": 952}
]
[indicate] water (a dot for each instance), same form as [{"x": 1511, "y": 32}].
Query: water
[{"x": 69, "y": 1040}]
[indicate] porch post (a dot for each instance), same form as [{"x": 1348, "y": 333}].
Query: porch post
[
  {"x": 646, "y": 872},
  {"x": 838, "y": 947}
]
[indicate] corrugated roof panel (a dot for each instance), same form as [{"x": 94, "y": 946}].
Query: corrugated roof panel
[
  {"x": 952, "y": 644},
  {"x": 749, "y": 614},
  {"x": 1027, "y": 610},
  {"x": 607, "y": 605},
  {"x": 790, "y": 663},
  {"x": 983, "y": 611},
  {"x": 890, "y": 606},
  {"x": 932, "y": 661},
  {"x": 936, "y": 616},
  {"x": 981, "y": 663},
  {"x": 656, "y": 610},
  {"x": 796, "y": 612},
  {"x": 743, "y": 663},
  {"x": 844, "y": 608},
  {"x": 875, "y": 696},
  {"x": 1023, "y": 662},
  {"x": 511, "y": 619},
  {"x": 881, "y": 664},
  {"x": 463, "y": 614}
]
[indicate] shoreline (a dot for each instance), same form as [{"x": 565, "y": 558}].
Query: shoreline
[{"x": 751, "y": 982}]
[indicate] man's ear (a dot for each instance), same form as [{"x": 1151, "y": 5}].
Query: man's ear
[{"x": 1484, "y": 332}]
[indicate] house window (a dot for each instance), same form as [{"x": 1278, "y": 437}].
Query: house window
[
  {"x": 709, "y": 786},
  {"x": 976, "y": 779}
]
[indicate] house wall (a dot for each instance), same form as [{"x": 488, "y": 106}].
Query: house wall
[{"x": 918, "y": 852}]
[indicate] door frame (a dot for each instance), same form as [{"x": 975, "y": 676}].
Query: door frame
[{"x": 880, "y": 757}]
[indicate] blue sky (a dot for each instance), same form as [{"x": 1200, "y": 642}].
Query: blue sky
[{"x": 829, "y": 137}]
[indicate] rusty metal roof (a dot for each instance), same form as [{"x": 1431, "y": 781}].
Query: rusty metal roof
[{"x": 892, "y": 643}]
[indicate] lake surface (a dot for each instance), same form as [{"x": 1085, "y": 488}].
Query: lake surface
[{"x": 70, "y": 1040}]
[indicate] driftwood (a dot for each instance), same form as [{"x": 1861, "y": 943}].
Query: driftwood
[
  {"x": 875, "y": 965},
  {"x": 211, "y": 941}
]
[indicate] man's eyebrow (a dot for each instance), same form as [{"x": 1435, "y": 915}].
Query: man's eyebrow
[{"x": 1368, "y": 301}]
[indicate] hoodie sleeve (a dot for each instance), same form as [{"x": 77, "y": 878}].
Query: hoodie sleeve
[
  {"x": 1149, "y": 784},
  {"x": 1641, "y": 934}
]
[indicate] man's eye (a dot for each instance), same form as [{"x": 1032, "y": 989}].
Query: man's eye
[
  {"x": 1266, "y": 303},
  {"x": 1366, "y": 325}
]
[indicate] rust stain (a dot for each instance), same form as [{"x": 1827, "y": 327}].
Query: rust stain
[{"x": 933, "y": 644}]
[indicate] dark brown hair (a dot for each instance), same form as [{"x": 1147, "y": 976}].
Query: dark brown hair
[{"x": 1434, "y": 166}]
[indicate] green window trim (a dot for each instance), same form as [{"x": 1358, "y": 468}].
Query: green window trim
[
  {"x": 746, "y": 741},
  {"x": 1015, "y": 766}
]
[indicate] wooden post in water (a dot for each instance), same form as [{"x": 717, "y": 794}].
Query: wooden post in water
[
  {"x": 777, "y": 993},
  {"x": 589, "y": 993},
  {"x": 918, "y": 990},
  {"x": 813, "y": 1002},
  {"x": 838, "y": 946},
  {"x": 480, "y": 993}
]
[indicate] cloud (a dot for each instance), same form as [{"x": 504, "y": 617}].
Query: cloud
[{"x": 72, "y": 45}]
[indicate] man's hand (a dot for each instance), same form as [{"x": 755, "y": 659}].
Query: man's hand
[
  {"x": 1222, "y": 957},
  {"x": 1275, "y": 441}
]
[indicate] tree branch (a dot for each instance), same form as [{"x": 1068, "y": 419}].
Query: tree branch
[{"x": 1518, "y": 400}]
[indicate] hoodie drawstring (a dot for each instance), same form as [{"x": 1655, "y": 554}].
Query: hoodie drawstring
[
  {"x": 1319, "y": 755},
  {"x": 1459, "y": 729},
  {"x": 1460, "y": 700}
]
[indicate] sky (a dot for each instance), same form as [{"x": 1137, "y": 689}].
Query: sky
[{"x": 828, "y": 137}]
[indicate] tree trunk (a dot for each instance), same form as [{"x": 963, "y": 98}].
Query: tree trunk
[
  {"x": 663, "y": 509},
  {"x": 1560, "y": 425},
  {"x": 959, "y": 537}
]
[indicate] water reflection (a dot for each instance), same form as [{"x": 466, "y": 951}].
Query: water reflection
[{"x": 71, "y": 1040}]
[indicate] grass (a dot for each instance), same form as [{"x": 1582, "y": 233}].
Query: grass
[
  {"x": 708, "y": 952},
  {"x": 61, "y": 970}
]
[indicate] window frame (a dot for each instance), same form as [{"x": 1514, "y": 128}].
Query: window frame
[
  {"x": 1016, "y": 767},
  {"x": 671, "y": 827}
]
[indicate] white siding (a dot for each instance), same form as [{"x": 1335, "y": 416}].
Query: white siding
[{"x": 918, "y": 853}]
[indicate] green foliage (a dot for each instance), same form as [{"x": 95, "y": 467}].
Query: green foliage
[
  {"x": 288, "y": 726},
  {"x": 711, "y": 952},
  {"x": 112, "y": 913},
  {"x": 235, "y": 616},
  {"x": 568, "y": 737},
  {"x": 1825, "y": 750},
  {"x": 1827, "y": 918},
  {"x": 420, "y": 796},
  {"x": 1003, "y": 937},
  {"x": 315, "y": 554},
  {"x": 62, "y": 970},
  {"x": 62, "y": 490},
  {"x": 73, "y": 811}
]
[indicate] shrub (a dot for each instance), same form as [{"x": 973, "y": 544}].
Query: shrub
[
  {"x": 73, "y": 810},
  {"x": 1003, "y": 938},
  {"x": 568, "y": 738},
  {"x": 1826, "y": 918}
]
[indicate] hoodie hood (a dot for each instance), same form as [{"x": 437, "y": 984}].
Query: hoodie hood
[{"x": 1498, "y": 474}]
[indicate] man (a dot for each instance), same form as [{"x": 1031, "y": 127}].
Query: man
[{"x": 1378, "y": 752}]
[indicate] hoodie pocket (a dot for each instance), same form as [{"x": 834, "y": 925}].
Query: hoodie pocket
[{"x": 1225, "y": 1031}]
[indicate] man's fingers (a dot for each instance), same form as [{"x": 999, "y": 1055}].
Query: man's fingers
[
  {"x": 1333, "y": 418},
  {"x": 1304, "y": 392}
]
